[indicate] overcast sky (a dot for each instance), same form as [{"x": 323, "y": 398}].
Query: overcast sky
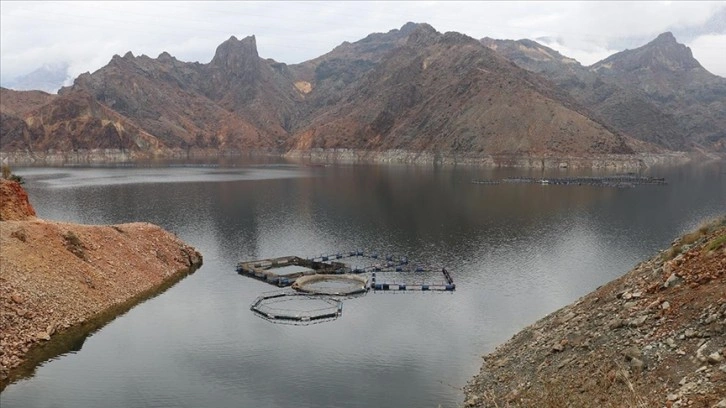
[{"x": 87, "y": 34}]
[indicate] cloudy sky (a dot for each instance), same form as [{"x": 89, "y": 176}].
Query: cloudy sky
[{"x": 85, "y": 35}]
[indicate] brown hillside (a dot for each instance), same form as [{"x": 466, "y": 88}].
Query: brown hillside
[
  {"x": 656, "y": 337},
  {"x": 57, "y": 277},
  {"x": 657, "y": 93},
  {"x": 14, "y": 203},
  {"x": 18, "y": 102},
  {"x": 446, "y": 93},
  {"x": 71, "y": 122},
  {"x": 411, "y": 90}
]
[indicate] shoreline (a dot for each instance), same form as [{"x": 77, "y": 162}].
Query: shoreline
[
  {"x": 656, "y": 336},
  {"x": 73, "y": 337},
  {"x": 616, "y": 162},
  {"x": 60, "y": 281}
]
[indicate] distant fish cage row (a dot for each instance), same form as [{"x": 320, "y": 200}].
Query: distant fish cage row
[{"x": 625, "y": 180}]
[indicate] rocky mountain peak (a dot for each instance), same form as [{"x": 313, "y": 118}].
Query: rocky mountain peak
[
  {"x": 664, "y": 53},
  {"x": 165, "y": 57},
  {"x": 423, "y": 35},
  {"x": 665, "y": 38},
  {"x": 409, "y": 27},
  {"x": 235, "y": 54}
]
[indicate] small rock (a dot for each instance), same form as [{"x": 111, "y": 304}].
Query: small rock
[
  {"x": 43, "y": 336},
  {"x": 16, "y": 298},
  {"x": 616, "y": 324},
  {"x": 665, "y": 305},
  {"x": 566, "y": 318},
  {"x": 502, "y": 362},
  {"x": 711, "y": 318},
  {"x": 714, "y": 358},
  {"x": 690, "y": 333},
  {"x": 558, "y": 347},
  {"x": 471, "y": 402},
  {"x": 673, "y": 280},
  {"x": 632, "y": 352},
  {"x": 637, "y": 363},
  {"x": 630, "y": 305},
  {"x": 638, "y": 321},
  {"x": 721, "y": 404}
]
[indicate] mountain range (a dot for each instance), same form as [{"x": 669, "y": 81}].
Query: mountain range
[{"x": 409, "y": 94}]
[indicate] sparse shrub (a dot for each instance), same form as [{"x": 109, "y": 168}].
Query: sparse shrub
[
  {"x": 716, "y": 243},
  {"x": 690, "y": 238},
  {"x": 673, "y": 252},
  {"x": 74, "y": 244},
  {"x": 19, "y": 234},
  {"x": 7, "y": 174}
]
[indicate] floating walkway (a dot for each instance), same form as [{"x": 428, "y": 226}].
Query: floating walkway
[{"x": 624, "y": 180}]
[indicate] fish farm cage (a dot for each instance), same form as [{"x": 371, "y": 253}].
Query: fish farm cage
[
  {"x": 337, "y": 285},
  {"x": 296, "y": 308},
  {"x": 317, "y": 284}
]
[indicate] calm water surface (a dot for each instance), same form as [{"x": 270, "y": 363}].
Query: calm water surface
[{"x": 516, "y": 252}]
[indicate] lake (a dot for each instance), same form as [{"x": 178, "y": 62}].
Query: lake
[{"x": 516, "y": 252}]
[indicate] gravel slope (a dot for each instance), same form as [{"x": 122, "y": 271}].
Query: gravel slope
[{"x": 655, "y": 337}]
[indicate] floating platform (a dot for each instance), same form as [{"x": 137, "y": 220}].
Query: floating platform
[
  {"x": 411, "y": 282},
  {"x": 277, "y": 271}
]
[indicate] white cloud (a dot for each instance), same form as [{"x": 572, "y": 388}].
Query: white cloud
[
  {"x": 709, "y": 50},
  {"x": 88, "y": 34}
]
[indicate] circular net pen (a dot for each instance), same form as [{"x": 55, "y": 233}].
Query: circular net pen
[
  {"x": 296, "y": 308},
  {"x": 333, "y": 285}
]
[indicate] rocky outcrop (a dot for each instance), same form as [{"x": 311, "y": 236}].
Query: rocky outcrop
[
  {"x": 654, "y": 337},
  {"x": 14, "y": 203},
  {"x": 59, "y": 278}
]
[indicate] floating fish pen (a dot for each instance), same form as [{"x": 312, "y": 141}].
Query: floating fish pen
[
  {"x": 337, "y": 285},
  {"x": 624, "y": 180},
  {"x": 286, "y": 270},
  {"x": 290, "y": 307},
  {"x": 421, "y": 279}
]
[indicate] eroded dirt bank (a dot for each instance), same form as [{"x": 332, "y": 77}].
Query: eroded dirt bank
[
  {"x": 57, "y": 276},
  {"x": 655, "y": 337}
]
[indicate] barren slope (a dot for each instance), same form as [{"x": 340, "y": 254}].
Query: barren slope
[
  {"x": 57, "y": 276},
  {"x": 654, "y": 337}
]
